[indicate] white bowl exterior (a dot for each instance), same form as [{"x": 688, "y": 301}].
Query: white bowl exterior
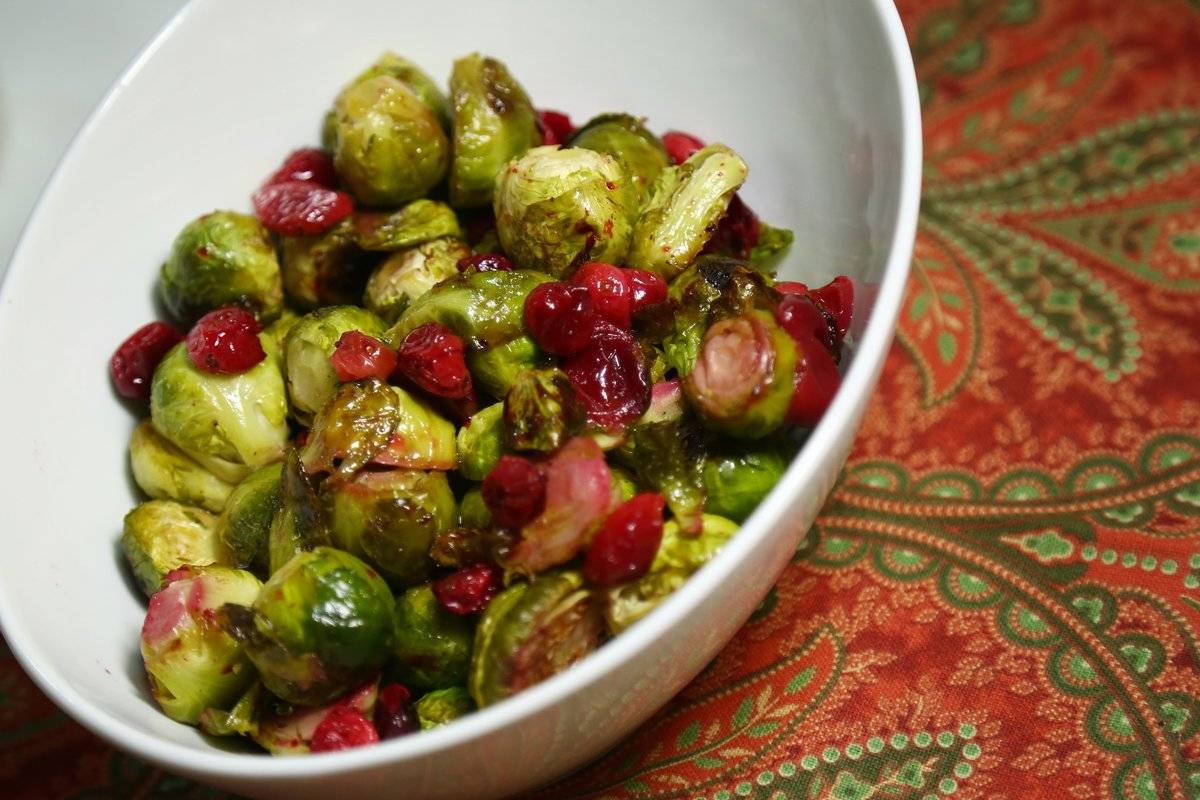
[{"x": 818, "y": 95}]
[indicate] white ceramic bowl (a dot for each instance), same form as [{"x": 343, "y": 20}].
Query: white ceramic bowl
[{"x": 820, "y": 98}]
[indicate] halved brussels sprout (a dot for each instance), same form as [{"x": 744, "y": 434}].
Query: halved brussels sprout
[
  {"x": 222, "y": 259},
  {"x": 415, "y": 223},
  {"x": 274, "y": 335},
  {"x": 321, "y": 623},
  {"x": 239, "y": 720},
  {"x": 496, "y": 368},
  {"x": 532, "y": 631},
  {"x": 686, "y": 202},
  {"x": 324, "y": 270},
  {"x": 417, "y": 81},
  {"x": 409, "y": 274},
  {"x": 737, "y": 482},
  {"x": 301, "y": 523},
  {"x": 192, "y": 663},
  {"x": 493, "y": 123},
  {"x": 162, "y": 535},
  {"x": 165, "y": 472},
  {"x": 559, "y": 207},
  {"x": 388, "y": 146},
  {"x": 388, "y": 519},
  {"x": 443, "y": 706},
  {"x": 669, "y": 457},
  {"x": 311, "y": 379},
  {"x": 284, "y": 729},
  {"x": 431, "y": 648},
  {"x": 481, "y": 442},
  {"x": 541, "y": 411},
  {"x": 244, "y": 527},
  {"x": 229, "y": 423},
  {"x": 626, "y": 139}
]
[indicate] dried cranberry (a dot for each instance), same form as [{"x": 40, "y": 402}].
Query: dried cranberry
[
  {"x": 308, "y": 164},
  {"x": 816, "y": 382},
  {"x": 358, "y": 356},
  {"x": 300, "y": 208},
  {"x": 609, "y": 290},
  {"x": 738, "y": 231},
  {"x": 469, "y": 589},
  {"x": 393, "y": 712},
  {"x": 132, "y": 365},
  {"x": 432, "y": 357},
  {"x": 624, "y": 548},
  {"x": 837, "y": 298},
  {"x": 556, "y": 127},
  {"x": 560, "y": 317},
  {"x": 341, "y": 729},
  {"x": 225, "y": 341},
  {"x": 485, "y": 262},
  {"x": 610, "y": 377},
  {"x": 514, "y": 491},
  {"x": 680, "y": 146},
  {"x": 800, "y": 317},
  {"x": 791, "y": 287},
  {"x": 646, "y": 288}
]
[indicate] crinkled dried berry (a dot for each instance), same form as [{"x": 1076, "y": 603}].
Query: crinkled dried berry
[
  {"x": 433, "y": 358},
  {"x": 485, "y": 262},
  {"x": 816, "y": 382},
  {"x": 680, "y": 146},
  {"x": 469, "y": 589},
  {"x": 645, "y": 288},
  {"x": 800, "y": 317},
  {"x": 560, "y": 317},
  {"x": 609, "y": 290},
  {"x": 132, "y": 365},
  {"x": 514, "y": 491},
  {"x": 837, "y": 298},
  {"x": 738, "y": 231},
  {"x": 610, "y": 377},
  {"x": 625, "y": 546},
  {"x": 791, "y": 287},
  {"x": 300, "y": 208},
  {"x": 358, "y": 356},
  {"x": 308, "y": 164},
  {"x": 341, "y": 729},
  {"x": 225, "y": 341},
  {"x": 394, "y": 715},
  {"x": 556, "y": 126}
]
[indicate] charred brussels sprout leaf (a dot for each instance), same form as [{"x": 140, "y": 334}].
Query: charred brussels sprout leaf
[
  {"x": 626, "y": 139},
  {"x": 481, "y": 442},
  {"x": 244, "y": 527},
  {"x": 416, "y": 223},
  {"x": 431, "y": 648},
  {"x": 443, "y": 706},
  {"x": 324, "y": 270},
  {"x": 222, "y": 259},
  {"x": 557, "y": 208},
  {"x": 496, "y": 368},
  {"x": 162, "y": 535},
  {"x": 541, "y": 411},
  {"x": 737, "y": 482},
  {"x": 669, "y": 456},
  {"x": 409, "y": 274},
  {"x": 683, "y": 209},
  {"x": 493, "y": 123},
  {"x": 388, "y": 146},
  {"x": 772, "y": 244},
  {"x": 530, "y": 632},
  {"x": 165, "y": 472},
  {"x": 311, "y": 379},
  {"x": 300, "y": 524},
  {"x": 417, "y": 81}
]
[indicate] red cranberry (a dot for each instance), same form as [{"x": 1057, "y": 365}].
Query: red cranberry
[
  {"x": 468, "y": 590},
  {"x": 393, "y": 712},
  {"x": 432, "y": 357},
  {"x": 624, "y": 548},
  {"x": 609, "y": 290},
  {"x": 132, "y": 365},
  {"x": 646, "y": 288},
  {"x": 680, "y": 146},
  {"x": 791, "y": 287},
  {"x": 485, "y": 262},
  {"x": 556, "y": 127},
  {"x": 300, "y": 208},
  {"x": 358, "y": 356},
  {"x": 610, "y": 377},
  {"x": 738, "y": 231},
  {"x": 816, "y": 382},
  {"x": 514, "y": 491},
  {"x": 800, "y": 317},
  {"x": 308, "y": 164},
  {"x": 341, "y": 729},
  {"x": 837, "y": 298},
  {"x": 225, "y": 341},
  {"x": 560, "y": 317}
]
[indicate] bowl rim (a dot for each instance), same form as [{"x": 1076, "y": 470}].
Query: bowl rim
[{"x": 871, "y": 351}]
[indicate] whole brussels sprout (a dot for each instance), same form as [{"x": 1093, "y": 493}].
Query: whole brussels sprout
[
  {"x": 481, "y": 442},
  {"x": 222, "y": 259},
  {"x": 431, "y": 648},
  {"x": 686, "y": 202},
  {"x": 669, "y": 457},
  {"x": 493, "y": 123},
  {"x": 541, "y": 411},
  {"x": 532, "y": 631},
  {"x": 495, "y": 368},
  {"x": 324, "y": 270},
  {"x": 559, "y": 207},
  {"x": 442, "y": 706},
  {"x": 229, "y": 423},
  {"x": 417, "y": 222},
  {"x": 388, "y": 519},
  {"x": 626, "y": 139},
  {"x": 301, "y": 523},
  {"x": 417, "y": 81},
  {"x": 321, "y": 623},
  {"x": 162, "y": 535},
  {"x": 244, "y": 527},
  {"x": 388, "y": 145},
  {"x": 409, "y": 274},
  {"x": 275, "y": 334},
  {"x": 737, "y": 482},
  {"x": 192, "y": 663},
  {"x": 165, "y": 472},
  {"x": 473, "y": 511},
  {"x": 311, "y": 379}
]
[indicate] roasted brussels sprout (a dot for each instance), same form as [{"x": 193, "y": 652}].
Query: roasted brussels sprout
[
  {"x": 229, "y": 423},
  {"x": 239, "y": 720},
  {"x": 321, "y": 623},
  {"x": 736, "y": 482},
  {"x": 557, "y": 208},
  {"x": 284, "y": 729},
  {"x": 473, "y": 512},
  {"x": 244, "y": 527},
  {"x": 669, "y": 457},
  {"x": 408, "y": 274},
  {"x": 301, "y": 523},
  {"x": 493, "y": 123},
  {"x": 772, "y": 244},
  {"x": 443, "y": 706},
  {"x": 388, "y": 145},
  {"x": 625, "y": 483},
  {"x": 388, "y": 519},
  {"x": 165, "y": 472},
  {"x": 311, "y": 379},
  {"x": 274, "y": 335},
  {"x": 496, "y": 368},
  {"x": 541, "y": 411},
  {"x": 431, "y": 648},
  {"x": 324, "y": 270},
  {"x": 222, "y": 259},
  {"x": 417, "y": 81},
  {"x": 481, "y": 442},
  {"x": 683, "y": 209},
  {"x": 415, "y": 223},
  {"x": 163, "y": 535},
  {"x": 531, "y": 631},
  {"x": 626, "y": 139},
  {"x": 191, "y": 662}
]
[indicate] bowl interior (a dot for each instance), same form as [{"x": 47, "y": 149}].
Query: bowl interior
[{"x": 806, "y": 91}]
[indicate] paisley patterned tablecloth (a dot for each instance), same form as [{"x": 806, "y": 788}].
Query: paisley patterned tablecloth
[{"x": 1001, "y": 598}]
